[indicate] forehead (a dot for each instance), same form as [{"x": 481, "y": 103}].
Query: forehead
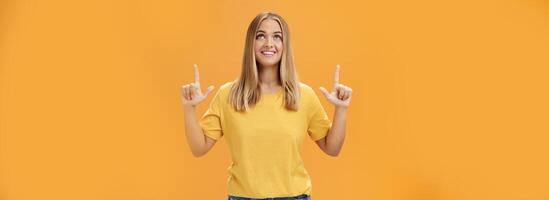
[{"x": 269, "y": 25}]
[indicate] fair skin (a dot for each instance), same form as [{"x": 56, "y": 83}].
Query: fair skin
[{"x": 268, "y": 51}]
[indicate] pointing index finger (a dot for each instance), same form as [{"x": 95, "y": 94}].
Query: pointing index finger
[
  {"x": 336, "y": 76},
  {"x": 196, "y": 75}
]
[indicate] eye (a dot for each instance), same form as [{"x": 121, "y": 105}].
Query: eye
[
  {"x": 278, "y": 37},
  {"x": 259, "y": 36}
]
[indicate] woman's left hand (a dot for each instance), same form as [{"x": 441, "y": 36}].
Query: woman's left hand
[{"x": 340, "y": 95}]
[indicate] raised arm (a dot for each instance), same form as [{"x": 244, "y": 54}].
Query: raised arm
[
  {"x": 192, "y": 95},
  {"x": 340, "y": 97}
]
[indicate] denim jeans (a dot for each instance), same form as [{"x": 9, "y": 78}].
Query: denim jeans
[{"x": 299, "y": 197}]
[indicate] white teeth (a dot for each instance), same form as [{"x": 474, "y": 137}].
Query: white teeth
[{"x": 269, "y": 52}]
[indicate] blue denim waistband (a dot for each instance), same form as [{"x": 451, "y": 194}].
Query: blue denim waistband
[{"x": 274, "y": 198}]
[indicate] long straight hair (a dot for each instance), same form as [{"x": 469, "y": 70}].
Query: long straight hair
[{"x": 246, "y": 91}]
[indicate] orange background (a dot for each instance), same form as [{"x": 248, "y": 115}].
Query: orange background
[{"x": 450, "y": 97}]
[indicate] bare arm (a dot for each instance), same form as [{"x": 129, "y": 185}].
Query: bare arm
[
  {"x": 199, "y": 143},
  {"x": 333, "y": 142},
  {"x": 340, "y": 96}
]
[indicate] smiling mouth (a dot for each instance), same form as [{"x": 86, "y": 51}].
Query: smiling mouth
[{"x": 268, "y": 53}]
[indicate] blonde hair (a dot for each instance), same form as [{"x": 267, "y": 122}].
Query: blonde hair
[{"x": 246, "y": 91}]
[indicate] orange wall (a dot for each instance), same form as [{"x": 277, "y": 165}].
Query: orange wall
[{"x": 450, "y": 98}]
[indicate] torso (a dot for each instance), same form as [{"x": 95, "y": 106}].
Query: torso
[{"x": 270, "y": 89}]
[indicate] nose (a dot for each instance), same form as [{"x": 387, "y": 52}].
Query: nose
[{"x": 269, "y": 43}]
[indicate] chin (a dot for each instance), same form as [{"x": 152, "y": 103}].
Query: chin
[{"x": 269, "y": 64}]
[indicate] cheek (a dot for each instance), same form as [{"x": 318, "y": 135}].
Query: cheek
[
  {"x": 257, "y": 46},
  {"x": 280, "y": 47}
]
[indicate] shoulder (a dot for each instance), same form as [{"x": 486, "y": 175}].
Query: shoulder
[
  {"x": 306, "y": 90},
  {"x": 225, "y": 88},
  {"x": 308, "y": 95},
  {"x": 223, "y": 91},
  {"x": 309, "y": 98}
]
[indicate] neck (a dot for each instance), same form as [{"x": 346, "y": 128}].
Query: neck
[{"x": 268, "y": 76}]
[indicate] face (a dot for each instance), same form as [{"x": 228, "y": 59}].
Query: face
[{"x": 268, "y": 43}]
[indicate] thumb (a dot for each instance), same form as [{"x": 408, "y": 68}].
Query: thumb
[
  {"x": 324, "y": 91},
  {"x": 210, "y": 89}
]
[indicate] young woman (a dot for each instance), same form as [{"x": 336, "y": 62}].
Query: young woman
[{"x": 265, "y": 115}]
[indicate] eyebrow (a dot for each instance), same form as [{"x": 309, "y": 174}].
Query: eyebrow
[{"x": 273, "y": 32}]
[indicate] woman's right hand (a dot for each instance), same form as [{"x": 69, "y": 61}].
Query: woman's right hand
[{"x": 192, "y": 94}]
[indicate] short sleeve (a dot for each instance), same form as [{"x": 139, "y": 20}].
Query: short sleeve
[
  {"x": 319, "y": 123},
  {"x": 211, "y": 120}
]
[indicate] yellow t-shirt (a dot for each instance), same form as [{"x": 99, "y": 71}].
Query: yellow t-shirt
[{"x": 265, "y": 142}]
